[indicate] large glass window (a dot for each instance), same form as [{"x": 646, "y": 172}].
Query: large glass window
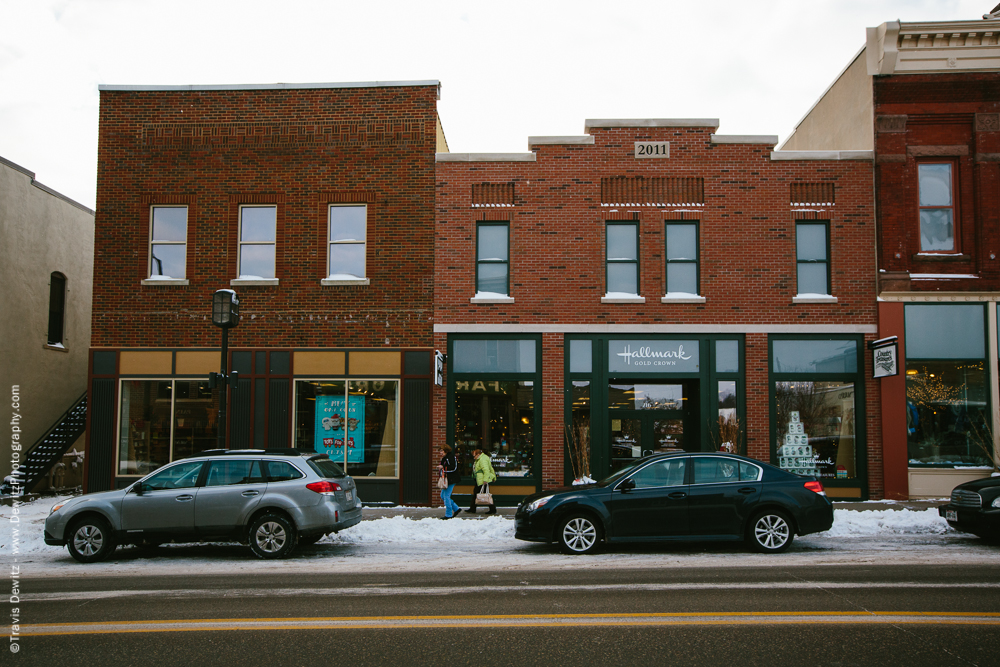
[
  {"x": 622, "y": 263},
  {"x": 258, "y": 237},
  {"x": 816, "y": 390},
  {"x": 493, "y": 356},
  {"x": 947, "y": 386},
  {"x": 492, "y": 259},
  {"x": 363, "y": 438},
  {"x": 682, "y": 258},
  {"x": 937, "y": 207},
  {"x": 164, "y": 420},
  {"x": 497, "y": 417},
  {"x": 578, "y": 431},
  {"x": 812, "y": 258},
  {"x": 168, "y": 242},
  {"x": 348, "y": 241}
]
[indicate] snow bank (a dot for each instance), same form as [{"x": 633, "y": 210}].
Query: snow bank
[
  {"x": 871, "y": 523},
  {"x": 403, "y": 529}
]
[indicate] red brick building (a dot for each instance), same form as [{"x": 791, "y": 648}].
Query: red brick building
[
  {"x": 315, "y": 204},
  {"x": 653, "y": 285},
  {"x": 926, "y": 98}
]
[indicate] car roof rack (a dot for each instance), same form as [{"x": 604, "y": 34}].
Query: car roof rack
[{"x": 278, "y": 451}]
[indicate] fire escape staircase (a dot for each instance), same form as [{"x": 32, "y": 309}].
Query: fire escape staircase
[{"x": 50, "y": 448}]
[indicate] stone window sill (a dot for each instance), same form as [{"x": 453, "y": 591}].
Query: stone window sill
[
  {"x": 247, "y": 282},
  {"x": 346, "y": 281},
  {"x": 165, "y": 282},
  {"x": 814, "y": 299},
  {"x": 492, "y": 299},
  {"x": 615, "y": 299},
  {"x": 682, "y": 299}
]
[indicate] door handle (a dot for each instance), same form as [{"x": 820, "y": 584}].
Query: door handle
[
  {"x": 748, "y": 489},
  {"x": 677, "y": 495},
  {"x": 250, "y": 494},
  {"x": 184, "y": 498}
]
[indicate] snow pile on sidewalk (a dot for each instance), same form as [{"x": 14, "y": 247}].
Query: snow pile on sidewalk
[
  {"x": 495, "y": 529},
  {"x": 874, "y": 523},
  {"x": 403, "y": 529}
]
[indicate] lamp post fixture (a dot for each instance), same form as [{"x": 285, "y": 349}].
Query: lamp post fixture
[{"x": 225, "y": 315}]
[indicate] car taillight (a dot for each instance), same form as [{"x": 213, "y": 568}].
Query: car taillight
[
  {"x": 815, "y": 487},
  {"x": 324, "y": 487}
]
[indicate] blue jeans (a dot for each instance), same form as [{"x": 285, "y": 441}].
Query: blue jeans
[{"x": 450, "y": 506}]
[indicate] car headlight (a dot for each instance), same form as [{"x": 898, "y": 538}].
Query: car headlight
[
  {"x": 996, "y": 502},
  {"x": 535, "y": 504},
  {"x": 55, "y": 508}
]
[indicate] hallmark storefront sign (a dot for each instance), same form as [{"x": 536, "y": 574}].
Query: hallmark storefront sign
[{"x": 653, "y": 356}]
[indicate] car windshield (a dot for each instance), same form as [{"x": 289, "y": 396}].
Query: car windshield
[
  {"x": 619, "y": 474},
  {"x": 324, "y": 467}
]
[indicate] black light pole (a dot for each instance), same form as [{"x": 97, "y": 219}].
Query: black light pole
[{"x": 226, "y": 315}]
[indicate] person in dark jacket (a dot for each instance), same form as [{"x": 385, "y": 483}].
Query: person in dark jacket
[{"x": 449, "y": 468}]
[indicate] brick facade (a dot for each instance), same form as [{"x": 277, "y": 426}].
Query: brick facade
[{"x": 747, "y": 225}]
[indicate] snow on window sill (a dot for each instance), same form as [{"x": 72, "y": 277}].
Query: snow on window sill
[
  {"x": 252, "y": 281},
  {"x": 344, "y": 280},
  {"x": 622, "y": 297},
  {"x": 491, "y": 297},
  {"x": 157, "y": 280},
  {"x": 681, "y": 297},
  {"x": 59, "y": 347},
  {"x": 814, "y": 298}
]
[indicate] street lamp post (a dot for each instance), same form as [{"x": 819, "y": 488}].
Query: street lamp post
[{"x": 225, "y": 315}]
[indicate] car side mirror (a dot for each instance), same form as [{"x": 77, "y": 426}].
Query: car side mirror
[
  {"x": 627, "y": 485},
  {"x": 138, "y": 489}
]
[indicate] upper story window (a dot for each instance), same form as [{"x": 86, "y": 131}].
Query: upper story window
[
  {"x": 682, "y": 258},
  {"x": 258, "y": 234},
  {"x": 57, "y": 308},
  {"x": 937, "y": 206},
  {"x": 812, "y": 258},
  {"x": 348, "y": 241},
  {"x": 622, "y": 263},
  {"x": 492, "y": 259},
  {"x": 168, "y": 243}
]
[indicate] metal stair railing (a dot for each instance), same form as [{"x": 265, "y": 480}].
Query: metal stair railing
[{"x": 45, "y": 453}]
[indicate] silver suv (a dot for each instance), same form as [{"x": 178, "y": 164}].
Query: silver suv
[{"x": 271, "y": 499}]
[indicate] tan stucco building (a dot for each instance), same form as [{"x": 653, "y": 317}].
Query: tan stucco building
[{"x": 47, "y": 250}]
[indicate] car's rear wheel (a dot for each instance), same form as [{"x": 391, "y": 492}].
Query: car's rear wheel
[
  {"x": 771, "y": 532},
  {"x": 90, "y": 540},
  {"x": 578, "y": 534},
  {"x": 272, "y": 536}
]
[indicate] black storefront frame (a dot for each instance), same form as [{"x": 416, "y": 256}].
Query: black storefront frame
[
  {"x": 600, "y": 375},
  {"x": 453, "y": 378},
  {"x": 860, "y": 480}
]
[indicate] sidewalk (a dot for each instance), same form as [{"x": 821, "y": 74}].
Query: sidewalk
[{"x": 386, "y": 512}]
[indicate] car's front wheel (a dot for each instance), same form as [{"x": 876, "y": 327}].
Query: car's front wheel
[
  {"x": 578, "y": 534},
  {"x": 90, "y": 540},
  {"x": 771, "y": 532},
  {"x": 272, "y": 536}
]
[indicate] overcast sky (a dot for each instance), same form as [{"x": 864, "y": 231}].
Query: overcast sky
[{"x": 508, "y": 69}]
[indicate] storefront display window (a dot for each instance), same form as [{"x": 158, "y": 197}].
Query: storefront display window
[
  {"x": 493, "y": 356},
  {"x": 498, "y": 417},
  {"x": 578, "y": 438},
  {"x": 372, "y": 443},
  {"x": 947, "y": 386},
  {"x": 164, "y": 420},
  {"x": 816, "y": 391}
]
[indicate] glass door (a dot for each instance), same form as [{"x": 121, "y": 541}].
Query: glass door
[{"x": 650, "y": 418}]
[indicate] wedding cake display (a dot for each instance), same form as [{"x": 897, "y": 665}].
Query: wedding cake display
[{"x": 796, "y": 455}]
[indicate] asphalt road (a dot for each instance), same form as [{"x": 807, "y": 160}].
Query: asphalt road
[{"x": 872, "y": 614}]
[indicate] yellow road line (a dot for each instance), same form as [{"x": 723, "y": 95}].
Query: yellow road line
[{"x": 676, "y": 619}]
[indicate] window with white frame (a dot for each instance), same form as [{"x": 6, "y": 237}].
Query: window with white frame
[
  {"x": 347, "y": 247},
  {"x": 937, "y": 207},
  {"x": 682, "y": 258},
  {"x": 812, "y": 258},
  {"x": 258, "y": 234},
  {"x": 168, "y": 242},
  {"x": 622, "y": 263},
  {"x": 492, "y": 259}
]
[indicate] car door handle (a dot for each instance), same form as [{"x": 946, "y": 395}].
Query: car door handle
[
  {"x": 677, "y": 495},
  {"x": 748, "y": 489},
  {"x": 184, "y": 498},
  {"x": 250, "y": 494}
]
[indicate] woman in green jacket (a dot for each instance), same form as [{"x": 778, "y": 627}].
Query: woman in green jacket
[{"x": 482, "y": 468}]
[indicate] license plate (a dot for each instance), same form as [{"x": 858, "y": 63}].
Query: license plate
[
  {"x": 350, "y": 495},
  {"x": 951, "y": 515}
]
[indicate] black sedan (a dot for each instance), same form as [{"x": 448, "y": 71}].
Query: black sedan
[
  {"x": 688, "y": 496},
  {"x": 975, "y": 508}
]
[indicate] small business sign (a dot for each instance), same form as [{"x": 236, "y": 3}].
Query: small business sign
[
  {"x": 653, "y": 356},
  {"x": 885, "y": 357},
  {"x": 438, "y": 368}
]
